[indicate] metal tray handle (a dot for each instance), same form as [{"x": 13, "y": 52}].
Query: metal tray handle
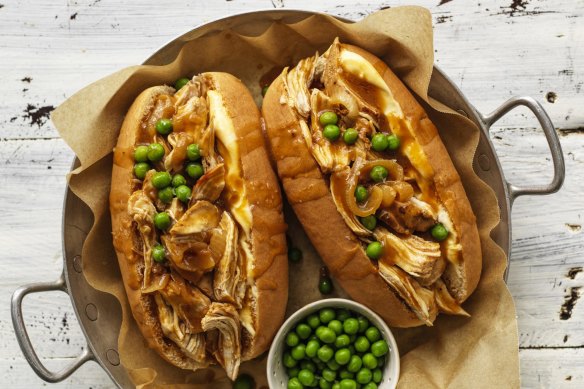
[
  {"x": 24, "y": 339},
  {"x": 552, "y": 139}
]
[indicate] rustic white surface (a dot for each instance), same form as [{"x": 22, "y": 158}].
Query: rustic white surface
[{"x": 491, "y": 49}]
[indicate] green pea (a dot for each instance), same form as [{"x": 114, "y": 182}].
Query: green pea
[
  {"x": 165, "y": 195},
  {"x": 292, "y": 339},
  {"x": 329, "y": 375},
  {"x": 379, "y": 142},
  {"x": 355, "y": 364},
  {"x": 336, "y": 326},
  {"x": 325, "y": 285},
  {"x": 374, "y": 250},
  {"x": 161, "y": 180},
  {"x": 393, "y": 142},
  {"x": 164, "y": 126},
  {"x": 361, "y": 193},
  {"x": 264, "y": 90},
  {"x": 324, "y": 384},
  {"x": 348, "y": 384},
  {"x": 155, "y": 152},
  {"x": 342, "y": 341},
  {"x": 336, "y": 385},
  {"x": 298, "y": 352},
  {"x": 364, "y": 376},
  {"x": 326, "y": 315},
  {"x": 378, "y": 173},
  {"x": 293, "y": 372},
  {"x": 303, "y": 330},
  {"x": 343, "y": 314},
  {"x": 350, "y": 136},
  {"x": 439, "y": 232},
  {"x": 158, "y": 253},
  {"x": 373, "y": 334},
  {"x": 379, "y": 348},
  {"x": 288, "y": 361},
  {"x": 325, "y": 353},
  {"x": 193, "y": 152},
  {"x": 369, "y": 222},
  {"x": 377, "y": 376},
  {"x": 346, "y": 375},
  {"x": 333, "y": 365},
  {"x": 351, "y": 326},
  {"x": 183, "y": 193},
  {"x": 371, "y": 385},
  {"x": 162, "y": 220},
  {"x": 294, "y": 383},
  {"x": 313, "y": 320},
  {"x": 195, "y": 170},
  {"x": 328, "y": 117},
  {"x": 312, "y": 348},
  {"x": 362, "y": 344},
  {"x": 141, "y": 154},
  {"x": 363, "y": 324},
  {"x": 342, "y": 356},
  {"x": 369, "y": 361},
  {"x": 140, "y": 170},
  {"x": 294, "y": 254},
  {"x": 307, "y": 365},
  {"x": 178, "y": 180},
  {"x": 244, "y": 381},
  {"x": 178, "y": 84},
  {"x": 331, "y": 132},
  {"x": 327, "y": 335}
]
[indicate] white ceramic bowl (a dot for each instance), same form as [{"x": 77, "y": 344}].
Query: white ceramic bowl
[{"x": 277, "y": 376}]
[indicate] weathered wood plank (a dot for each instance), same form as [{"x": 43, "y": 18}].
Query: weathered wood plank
[{"x": 488, "y": 70}]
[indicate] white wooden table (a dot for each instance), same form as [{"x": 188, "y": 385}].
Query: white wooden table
[{"x": 492, "y": 49}]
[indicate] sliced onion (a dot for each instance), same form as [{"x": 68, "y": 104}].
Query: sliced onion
[
  {"x": 160, "y": 284},
  {"x": 403, "y": 190},
  {"x": 389, "y": 195},
  {"x": 373, "y": 200},
  {"x": 394, "y": 170},
  {"x": 376, "y": 194}
]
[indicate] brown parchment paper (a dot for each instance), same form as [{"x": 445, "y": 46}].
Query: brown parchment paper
[{"x": 480, "y": 352}]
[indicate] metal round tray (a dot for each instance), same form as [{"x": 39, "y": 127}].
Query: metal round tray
[{"x": 100, "y": 314}]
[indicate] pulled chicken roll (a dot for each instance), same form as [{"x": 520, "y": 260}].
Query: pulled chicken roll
[
  {"x": 197, "y": 223},
  {"x": 400, "y": 234}
]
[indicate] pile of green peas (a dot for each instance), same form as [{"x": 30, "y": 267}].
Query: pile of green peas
[
  {"x": 334, "y": 349},
  {"x": 330, "y": 130}
]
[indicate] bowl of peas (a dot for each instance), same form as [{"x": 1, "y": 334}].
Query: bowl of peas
[{"x": 334, "y": 344}]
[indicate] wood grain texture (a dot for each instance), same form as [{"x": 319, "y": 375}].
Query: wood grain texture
[{"x": 491, "y": 49}]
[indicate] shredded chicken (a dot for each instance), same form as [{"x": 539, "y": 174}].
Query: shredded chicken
[
  {"x": 407, "y": 217},
  {"x": 193, "y": 345},
  {"x": 226, "y": 349},
  {"x": 420, "y": 258},
  {"x": 447, "y": 303},
  {"x": 200, "y": 217},
  {"x": 224, "y": 249},
  {"x": 179, "y": 141},
  {"x": 298, "y": 81},
  {"x": 142, "y": 211},
  {"x": 210, "y": 185},
  {"x": 419, "y": 299}
]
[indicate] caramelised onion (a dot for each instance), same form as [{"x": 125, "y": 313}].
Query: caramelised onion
[
  {"x": 389, "y": 195},
  {"x": 373, "y": 200},
  {"x": 157, "y": 284},
  {"x": 394, "y": 170},
  {"x": 403, "y": 190},
  {"x": 376, "y": 194}
]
